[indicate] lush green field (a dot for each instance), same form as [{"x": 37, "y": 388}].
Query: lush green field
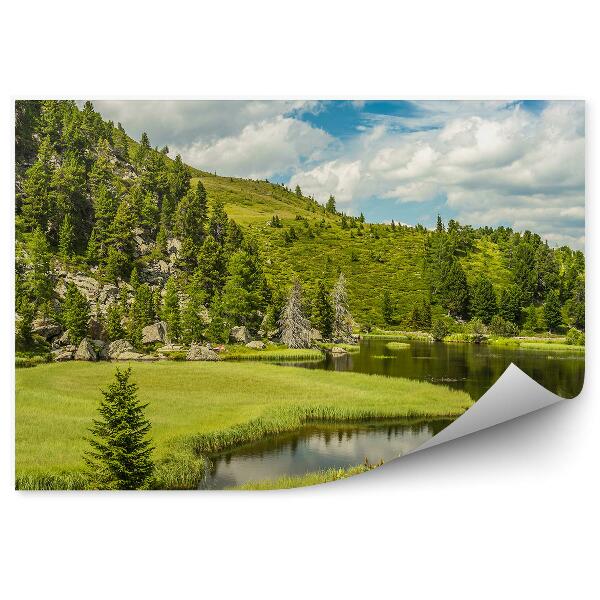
[{"x": 202, "y": 407}]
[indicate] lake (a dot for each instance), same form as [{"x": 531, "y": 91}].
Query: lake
[
  {"x": 470, "y": 367},
  {"x": 318, "y": 447}
]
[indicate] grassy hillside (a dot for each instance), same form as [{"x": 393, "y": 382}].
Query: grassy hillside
[{"x": 379, "y": 258}]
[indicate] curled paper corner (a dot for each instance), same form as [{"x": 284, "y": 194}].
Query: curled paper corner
[{"x": 514, "y": 394}]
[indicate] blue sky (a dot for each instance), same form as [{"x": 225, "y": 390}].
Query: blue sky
[{"x": 519, "y": 163}]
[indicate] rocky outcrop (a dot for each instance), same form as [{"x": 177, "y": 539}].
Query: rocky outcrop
[
  {"x": 115, "y": 349},
  {"x": 240, "y": 334},
  {"x": 86, "y": 351},
  {"x": 198, "y": 352},
  {"x": 62, "y": 355},
  {"x": 256, "y": 345},
  {"x": 45, "y": 328},
  {"x": 62, "y": 340},
  {"x": 152, "y": 334}
]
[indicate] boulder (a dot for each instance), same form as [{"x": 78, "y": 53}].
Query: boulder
[
  {"x": 198, "y": 352},
  {"x": 240, "y": 334},
  {"x": 62, "y": 340},
  {"x": 108, "y": 293},
  {"x": 116, "y": 348},
  {"x": 62, "y": 355},
  {"x": 157, "y": 332},
  {"x": 256, "y": 345},
  {"x": 338, "y": 350},
  {"x": 45, "y": 328},
  {"x": 86, "y": 351},
  {"x": 129, "y": 355}
]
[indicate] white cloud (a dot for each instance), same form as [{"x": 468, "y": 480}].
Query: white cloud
[{"x": 261, "y": 149}]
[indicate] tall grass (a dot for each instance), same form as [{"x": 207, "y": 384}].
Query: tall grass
[
  {"x": 288, "y": 354},
  {"x": 397, "y": 346}
]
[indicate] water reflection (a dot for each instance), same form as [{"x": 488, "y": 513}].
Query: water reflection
[
  {"x": 318, "y": 447},
  {"x": 470, "y": 367}
]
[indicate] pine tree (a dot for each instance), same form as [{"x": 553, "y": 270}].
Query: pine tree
[
  {"x": 120, "y": 458},
  {"x": 295, "y": 327},
  {"x": 552, "y": 311},
  {"x": 170, "y": 312},
  {"x": 212, "y": 268},
  {"x": 75, "y": 313},
  {"x": 322, "y": 311},
  {"x": 142, "y": 314},
  {"x": 35, "y": 208},
  {"x": 121, "y": 142},
  {"x": 217, "y": 226},
  {"x": 134, "y": 279},
  {"x": 342, "y": 319},
  {"x": 454, "y": 291},
  {"x": 66, "y": 238},
  {"x": 509, "y": 304},
  {"x": 114, "y": 328},
  {"x": 191, "y": 216},
  {"x": 40, "y": 277},
  {"x": 193, "y": 322},
  {"x": 330, "y": 206},
  {"x": 298, "y": 191},
  {"x": 386, "y": 307},
  {"x": 178, "y": 185},
  {"x": 483, "y": 300}
]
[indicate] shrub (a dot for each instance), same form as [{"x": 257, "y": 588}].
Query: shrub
[
  {"x": 439, "y": 330},
  {"x": 575, "y": 337},
  {"x": 502, "y": 327}
]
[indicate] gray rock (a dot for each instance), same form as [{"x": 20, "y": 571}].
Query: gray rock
[
  {"x": 108, "y": 293},
  {"x": 61, "y": 340},
  {"x": 99, "y": 345},
  {"x": 116, "y": 348},
  {"x": 338, "y": 350},
  {"x": 198, "y": 352},
  {"x": 157, "y": 332},
  {"x": 170, "y": 348},
  {"x": 86, "y": 351},
  {"x": 240, "y": 334},
  {"x": 137, "y": 356},
  {"x": 256, "y": 345},
  {"x": 45, "y": 328},
  {"x": 62, "y": 355}
]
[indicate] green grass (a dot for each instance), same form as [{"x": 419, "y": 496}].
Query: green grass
[
  {"x": 397, "y": 346},
  {"x": 274, "y": 354},
  {"x": 201, "y": 407},
  {"x": 314, "y": 478},
  {"x": 346, "y": 347},
  {"x": 553, "y": 345}
]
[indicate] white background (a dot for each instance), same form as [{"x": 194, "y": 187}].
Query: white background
[{"x": 507, "y": 513}]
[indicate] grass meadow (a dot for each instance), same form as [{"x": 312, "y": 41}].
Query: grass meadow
[{"x": 199, "y": 407}]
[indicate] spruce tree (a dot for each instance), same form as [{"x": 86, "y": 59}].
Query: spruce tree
[
  {"x": 191, "y": 216},
  {"x": 453, "y": 291},
  {"x": 212, "y": 268},
  {"x": 121, "y": 454},
  {"x": 170, "y": 312},
  {"x": 552, "y": 311},
  {"x": 295, "y": 326},
  {"x": 142, "y": 314},
  {"x": 39, "y": 280},
  {"x": 66, "y": 238},
  {"x": 509, "y": 304},
  {"x": 218, "y": 223},
  {"x": 113, "y": 326},
  {"x": 35, "y": 207},
  {"x": 298, "y": 191},
  {"x": 323, "y": 311},
  {"x": 75, "y": 313},
  {"x": 330, "y": 206},
  {"x": 483, "y": 300},
  {"x": 193, "y": 323},
  {"x": 387, "y": 309}
]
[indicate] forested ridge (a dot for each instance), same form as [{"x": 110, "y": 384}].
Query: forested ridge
[{"x": 113, "y": 235}]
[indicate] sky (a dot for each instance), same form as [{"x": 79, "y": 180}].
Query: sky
[{"x": 517, "y": 163}]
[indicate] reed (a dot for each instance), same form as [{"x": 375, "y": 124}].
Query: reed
[{"x": 397, "y": 346}]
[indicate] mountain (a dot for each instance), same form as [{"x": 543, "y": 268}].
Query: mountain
[{"x": 110, "y": 208}]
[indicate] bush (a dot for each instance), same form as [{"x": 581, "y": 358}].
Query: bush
[
  {"x": 575, "y": 337},
  {"x": 502, "y": 327},
  {"x": 477, "y": 330},
  {"x": 439, "y": 330}
]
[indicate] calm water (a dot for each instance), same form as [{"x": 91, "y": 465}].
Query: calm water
[
  {"x": 315, "y": 448},
  {"x": 470, "y": 367}
]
